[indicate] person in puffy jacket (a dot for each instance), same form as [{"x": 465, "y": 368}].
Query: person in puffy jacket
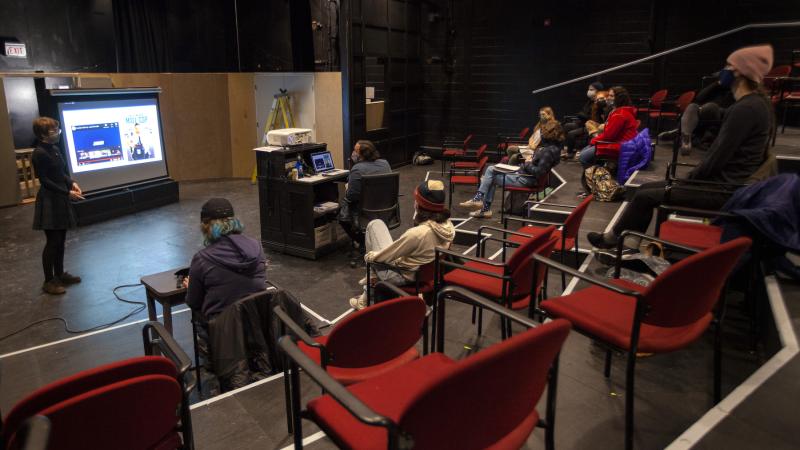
[
  {"x": 230, "y": 267},
  {"x": 620, "y": 126}
]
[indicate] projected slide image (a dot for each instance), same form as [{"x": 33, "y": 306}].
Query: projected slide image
[
  {"x": 97, "y": 143},
  {"x": 109, "y": 137}
]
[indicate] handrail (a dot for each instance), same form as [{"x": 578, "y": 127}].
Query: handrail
[{"x": 667, "y": 52}]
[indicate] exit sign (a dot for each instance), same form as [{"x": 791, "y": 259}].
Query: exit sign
[{"x": 16, "y": 50}]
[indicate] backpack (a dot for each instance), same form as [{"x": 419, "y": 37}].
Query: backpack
[
  {"x": 421, "y": 159},
  {"x": 602, "y": 184}
]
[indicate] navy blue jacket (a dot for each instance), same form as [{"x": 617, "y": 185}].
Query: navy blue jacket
[{"x": 222, "y": 273}]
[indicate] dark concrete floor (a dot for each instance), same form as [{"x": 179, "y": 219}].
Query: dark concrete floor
[{"x": 672, "y": 390}]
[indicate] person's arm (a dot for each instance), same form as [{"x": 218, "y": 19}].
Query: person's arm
[
  {"x": 541, "y": 163},
  {"x": 404, "y": 245},
  {"x": 195, "y": 292},
  {"x": 707, "y": 93},
  {"x": 41, "y": 165},
  {"x": 612, "y": 130},
  {"x": 734, "y": 130},
  {"x": 535, "y": 138},
  {"x": 353, "y": 185}
]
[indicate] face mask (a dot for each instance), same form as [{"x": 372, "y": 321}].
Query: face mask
[
  {"x": 354, "y": 157},
  {"x": 544, "y": 117},
  {"x": 610, "y": 102},
  {"x": 52, "y": 138},
  {"x": 726, "y": 78},
  {"x": 591, "y": 93}
]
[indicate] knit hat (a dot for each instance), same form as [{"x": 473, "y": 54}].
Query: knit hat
[
  {"x": 752, "y": 63},
  {"x": 216, "y": 208},
  {"x": 598, "y": 86},
  {"x": 430, "y": 195}
]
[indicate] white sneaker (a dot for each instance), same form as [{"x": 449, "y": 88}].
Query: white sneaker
[
  {"x": 359, "y": 302},
  {"x": 471, "y": 204},
  {"x": 479, "y": 214}
]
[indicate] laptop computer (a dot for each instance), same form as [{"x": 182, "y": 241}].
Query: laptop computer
[{"x": 323, "y": 163}]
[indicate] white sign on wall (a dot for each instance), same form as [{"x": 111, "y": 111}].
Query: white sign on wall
[{"x": 16, "y": 50}]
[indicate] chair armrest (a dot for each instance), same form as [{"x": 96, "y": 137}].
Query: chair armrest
[
  {"x": 532, "y": 221},
  {"x": 647, "y": 237},
  {"x": 560, "y": 205},
  {"x": 440, "y": 262},
  {"x": 390, "y": 289},
  {"x": 34, "y": 433},
  {"x": 168, "y": 346},
  {"x": 697, "y": 211},
  {"x": 501, "y": 230},
  {"x": 331, "y": 387},
  {"x": 298, "y": 331},
  {"x": 584, "y": 276},
  {"x": 464, "y": 171},
  {"x": 386, "y": 266},
  {"x": 463, "y": 295}
]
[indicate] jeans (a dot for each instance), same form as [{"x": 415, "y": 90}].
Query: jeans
[
  {"x": 492, "y": 178},
  {"x": 587, "y": 156},
  {"x": 376, "y": 239}
]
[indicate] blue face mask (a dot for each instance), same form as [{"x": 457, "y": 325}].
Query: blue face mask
[{"x": 726, "y": 78}]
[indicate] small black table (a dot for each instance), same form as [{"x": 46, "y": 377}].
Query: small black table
[{"x": 162, "y": 287}]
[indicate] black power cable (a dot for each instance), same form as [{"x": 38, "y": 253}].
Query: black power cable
[{"x": 141, "y": 306}]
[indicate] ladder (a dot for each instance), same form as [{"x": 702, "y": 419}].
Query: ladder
[{"x": 281, "y": 109}]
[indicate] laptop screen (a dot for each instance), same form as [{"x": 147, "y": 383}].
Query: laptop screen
[{"x": 322, "y": 162}]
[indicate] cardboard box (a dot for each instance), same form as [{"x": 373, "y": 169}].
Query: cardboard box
[{"x": 322, "y": 235}]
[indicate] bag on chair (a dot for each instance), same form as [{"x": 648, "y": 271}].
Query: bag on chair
[
  {"x": 421, "y": 159},
  {"x": 602, "y": 184}
]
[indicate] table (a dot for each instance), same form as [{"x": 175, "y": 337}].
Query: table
[{"x": 162, "y": 288}]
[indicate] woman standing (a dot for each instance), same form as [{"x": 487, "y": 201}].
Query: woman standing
[{"x": 54, "y": 213}]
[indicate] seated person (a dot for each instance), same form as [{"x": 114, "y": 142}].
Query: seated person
[
  {"x": 230, "y": 267},
  {"x": 366, "y": 161},
  {"x": 545, "y": 157},
  {"x": 414, "y": 248},
  {"x": 575, "y": 130},
  {"x": 736, "y": 154},
  {"x": 620, "y": 127},
  {"x": 701, "y": 120},
  {"x": 515, "y": 153}
]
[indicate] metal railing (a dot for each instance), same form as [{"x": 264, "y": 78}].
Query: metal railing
[{"x": 670, "y": 51}]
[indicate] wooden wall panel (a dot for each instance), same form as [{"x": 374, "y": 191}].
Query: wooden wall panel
[
  {"x": 242, "y": 123},
  {"x": 328, "y": 111},
  {"x": 9, "y": 187}
]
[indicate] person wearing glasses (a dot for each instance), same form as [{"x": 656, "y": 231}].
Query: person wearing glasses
[{"x": 53, "y": 213}]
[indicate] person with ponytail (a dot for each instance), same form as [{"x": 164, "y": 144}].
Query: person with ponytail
[{"x": 230, "y": 267}]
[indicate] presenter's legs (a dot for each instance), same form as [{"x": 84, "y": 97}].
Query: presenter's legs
[{"x": 53, "y": 261}]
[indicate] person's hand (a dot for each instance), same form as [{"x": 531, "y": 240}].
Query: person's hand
[
  {"x": 77, "y": 188},
  {"x": 75, "y": 195},
  {"x": 186, "y": 282}
]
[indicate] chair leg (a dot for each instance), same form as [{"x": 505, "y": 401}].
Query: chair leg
[
  {"x": 607, "y": 368},
  {"x": 480, "y": 321},
  {"x": 629, "y": 396},
  {"x": 474, "y": 312},
  {"x": 718, "y": 362},
  {"x": 563, "y": 275}
]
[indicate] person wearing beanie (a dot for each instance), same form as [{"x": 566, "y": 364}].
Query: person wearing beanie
[
  {"x": 735, "y": 155},
  {"x": 414, "y": 248},
  {"x": 575, "y": 128},
  {"x": 230, "y": 267},
  {"x": 544, "y": 158}
]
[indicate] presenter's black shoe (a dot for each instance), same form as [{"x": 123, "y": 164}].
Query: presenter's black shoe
[
  {"x": 67, "y": 278},
  {"x": 599, "y": 241},
  {"x": 53, "y": 287}
]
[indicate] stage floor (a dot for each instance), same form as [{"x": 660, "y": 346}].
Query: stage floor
[{"x": 672, "y": 391}]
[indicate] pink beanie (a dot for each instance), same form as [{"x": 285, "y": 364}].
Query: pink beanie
[{"x": 752, "y": 63}]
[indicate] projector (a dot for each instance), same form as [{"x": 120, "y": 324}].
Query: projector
[{"x": 289, "y": 136}]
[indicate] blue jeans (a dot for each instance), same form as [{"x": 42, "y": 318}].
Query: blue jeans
[
  {"x": 587, "y": 156},
  {"x": 492, "y": 178}
]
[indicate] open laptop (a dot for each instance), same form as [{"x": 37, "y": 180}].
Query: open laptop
[{"x": 323, "y": 164}]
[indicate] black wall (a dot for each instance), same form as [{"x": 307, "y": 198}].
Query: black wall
[{"x": 483, "y": 59}]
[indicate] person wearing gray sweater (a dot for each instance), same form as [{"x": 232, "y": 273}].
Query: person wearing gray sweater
[{"x": 366, "y": 161}]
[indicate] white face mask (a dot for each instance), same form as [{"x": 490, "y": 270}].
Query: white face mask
[
  {"x": 354, "y": 157},
  {"x": 591, "y": 93}
]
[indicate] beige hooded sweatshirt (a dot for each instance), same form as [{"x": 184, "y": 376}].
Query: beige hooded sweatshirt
[{"x": 416, "y": 246}]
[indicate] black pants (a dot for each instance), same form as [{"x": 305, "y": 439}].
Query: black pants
[
  {"x": 639, "y": 212},
  {"x": 354, "y": 232},
  {"x": 575, "y": 136},
  {"x": 53, "y": 254}
]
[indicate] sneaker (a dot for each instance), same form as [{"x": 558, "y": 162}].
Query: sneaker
[
  {"x": 597, "y": 240},
  {"x": 359, "y": 302},
  {"x": 53, "y": 287},
  {"x": 480, "y": 214},
  {"x": 67, "y": 278},
  {"x": 471, "y": 204}
]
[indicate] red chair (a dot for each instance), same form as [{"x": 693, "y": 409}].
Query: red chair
[
  {"x": 470, "y": 162},
  {"x": 567, "y": 233},
  {"x": 542, "y": 183},
  {"x": 653, "y": 104},
  {"x": 423, "y": 279},
  {"x": 132, "y": 404},
  {"x": 510, "y": 283},
  {"x": 454, "y": 149},
  {"x": 505, "y": 141},
  {"x": 486, "y": 400},
  {"x": 668, "y": 315},
  {"x": 367, "y": 343},
  {"x": 680, "y": 105},
  {"x": 468, "y": 177}
]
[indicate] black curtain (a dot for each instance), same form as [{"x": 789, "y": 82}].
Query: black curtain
[{"x": 141, "y": 37}]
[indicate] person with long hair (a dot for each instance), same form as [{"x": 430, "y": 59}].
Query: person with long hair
[
  {"x": 53, "y": 213},
  {"x": 414, "y": 248},
  {"x": 620, "y": 126},
  {"x": 515, "y": 153},
  {"x": 736, "y": 154}
]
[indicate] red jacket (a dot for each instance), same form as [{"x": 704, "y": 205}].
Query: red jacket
[{"x": 621, "y": 126}]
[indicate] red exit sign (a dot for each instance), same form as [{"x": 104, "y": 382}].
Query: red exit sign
[{"x": 16, "y": 50}]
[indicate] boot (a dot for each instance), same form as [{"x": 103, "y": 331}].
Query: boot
[{"x": 53, "y": 287}]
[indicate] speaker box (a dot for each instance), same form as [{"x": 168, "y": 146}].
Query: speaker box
[{"x": 126, "y": 200}]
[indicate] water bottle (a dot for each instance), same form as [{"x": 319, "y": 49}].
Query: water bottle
[{"x": 299, "y": 166}]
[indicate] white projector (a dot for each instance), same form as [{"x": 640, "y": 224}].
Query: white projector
[{"x": 289, "y": 136}]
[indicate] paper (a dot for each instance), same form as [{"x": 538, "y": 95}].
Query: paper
[
  {"x": 268, "y": 148},
  {"x": 506, "y": 168}
]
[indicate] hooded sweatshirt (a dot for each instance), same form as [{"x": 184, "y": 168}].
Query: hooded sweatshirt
[
  {"x": 416, "y": 247},
  {"x": 227, "y": 270}
]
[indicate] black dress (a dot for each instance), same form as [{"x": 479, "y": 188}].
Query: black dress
[{"x": 54, "y": 209}]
